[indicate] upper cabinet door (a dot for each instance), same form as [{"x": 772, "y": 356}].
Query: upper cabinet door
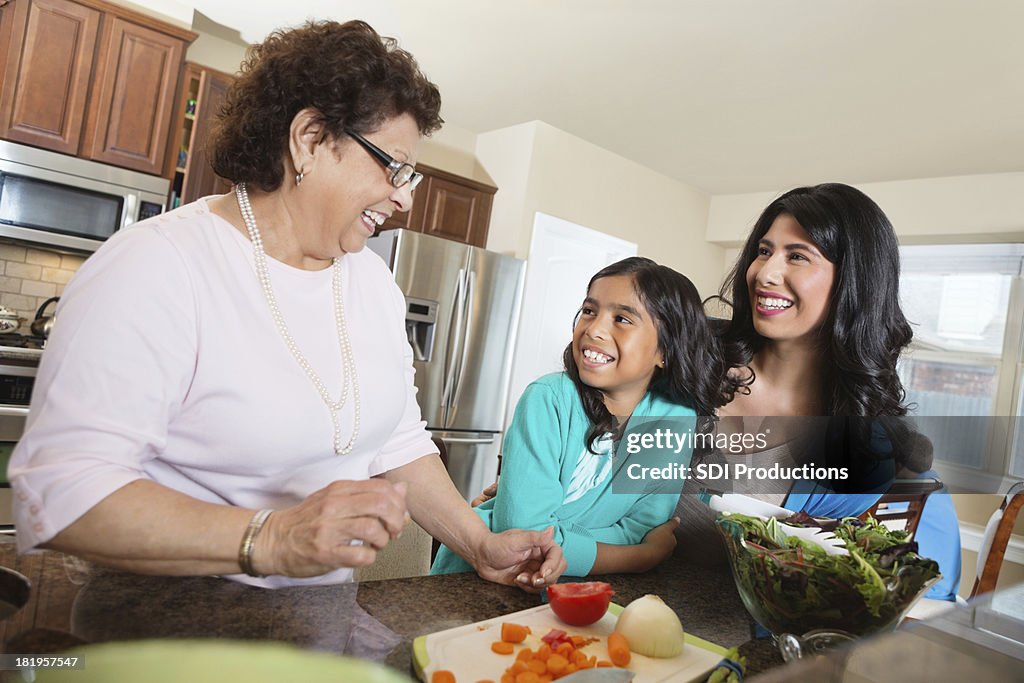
[
  {"x": 200, "y": 180},
  {"x": 46, "y": 71},
  {"x": 456, "y": 210},
  {"x": 131, "y": 109}
]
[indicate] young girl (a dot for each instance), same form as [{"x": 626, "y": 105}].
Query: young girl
[{"x": 640, "y": 347}]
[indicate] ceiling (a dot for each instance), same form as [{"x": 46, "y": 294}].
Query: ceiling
[{"x": 725, "y": 95}]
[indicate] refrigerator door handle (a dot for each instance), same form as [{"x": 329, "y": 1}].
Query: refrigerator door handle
[
  {"x": 468, "y": 305},
  {"x": 463, "y": 439},
  {"x": 455, "y": 337}
]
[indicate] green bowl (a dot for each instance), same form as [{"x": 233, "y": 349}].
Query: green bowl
[{"x": 213, "y": 661}]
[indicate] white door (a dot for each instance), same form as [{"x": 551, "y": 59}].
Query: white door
[{"x": 563, "y": 257}]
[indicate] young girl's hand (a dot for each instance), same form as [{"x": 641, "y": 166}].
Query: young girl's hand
[
  {"x": 661, "y": 541},
  {"x": 485, "y": 495}
]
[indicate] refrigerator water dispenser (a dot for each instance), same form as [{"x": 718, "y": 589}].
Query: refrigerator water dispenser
[{"x": 420, "y": 322}]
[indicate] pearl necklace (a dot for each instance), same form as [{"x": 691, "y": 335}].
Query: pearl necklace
[{"x": 350, "y": 381}]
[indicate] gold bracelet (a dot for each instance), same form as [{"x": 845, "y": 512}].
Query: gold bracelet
[{"x": 249, "y": 539}]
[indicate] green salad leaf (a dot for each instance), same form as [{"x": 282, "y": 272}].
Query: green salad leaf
[{"x": 792, "y": 585}]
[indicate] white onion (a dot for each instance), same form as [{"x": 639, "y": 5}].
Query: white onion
[{"x": 651, "y": 628}]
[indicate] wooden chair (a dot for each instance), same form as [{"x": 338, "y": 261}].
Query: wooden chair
[
  {"x": 914, "y": 492},
  {"x": 995, "y": 540}
]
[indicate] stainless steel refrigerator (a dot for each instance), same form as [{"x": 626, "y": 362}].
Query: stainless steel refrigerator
[{"x": 462, "y": 316}]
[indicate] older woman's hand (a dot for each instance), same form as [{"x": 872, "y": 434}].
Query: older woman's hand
[
  {"x": 528, "y": 559},
  {"x": 343, "y": 524}
]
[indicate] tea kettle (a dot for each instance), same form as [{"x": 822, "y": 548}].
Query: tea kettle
[{"x": 42, "y": 325}]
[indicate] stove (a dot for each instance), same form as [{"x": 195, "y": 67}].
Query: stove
[{"x": 19, "y": 357}]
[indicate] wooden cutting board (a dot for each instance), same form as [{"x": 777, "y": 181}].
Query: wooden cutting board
[{"x": 466, "y": 650}]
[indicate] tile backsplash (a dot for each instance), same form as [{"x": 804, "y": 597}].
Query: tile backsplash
[{"x": 29, "y": 276}]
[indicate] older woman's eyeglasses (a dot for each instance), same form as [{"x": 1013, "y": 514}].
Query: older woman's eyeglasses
[{"x": 400, "y": 173}]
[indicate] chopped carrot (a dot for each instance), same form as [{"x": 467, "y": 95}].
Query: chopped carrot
[
  {"x": 502, "y": 648},
  {"x": 545, "y": 678},
  {"x": 543, "y": 652},
  {"x": 527, "y": 677},
  {"x": 603, "y": 663},
  {"x": 556, "y": 664},
  {"x": 526, "y": 653},
  {"x": 508, "y": 677},
  {"x": 565, "y": 649},
  {"x": 442, "y": 676},
  {"x": 618, "y": 649},
  {"x": 571, "y": 669},
  {"x": 514, "y": 633},
  {"x": 536, "y": 666},
  {"x": 578, "y": 641},
  {"x": 518, "y": 668}
]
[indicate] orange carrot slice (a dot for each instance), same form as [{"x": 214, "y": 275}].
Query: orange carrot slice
[
  {"x": 442, "y": 676},
  {"x": 514, "y": 633},
  {"x": 618, "y": 649}
]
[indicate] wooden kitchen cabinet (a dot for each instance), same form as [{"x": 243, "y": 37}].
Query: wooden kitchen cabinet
[
  {"x": 89, "y": 78},
  {"x": 133, "y": 96},
  {"x": 201, "y": 95},
  {"x": 448, "y": 206},
  {"x": 47, "y": 59}
]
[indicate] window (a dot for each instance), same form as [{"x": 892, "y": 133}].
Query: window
[{"x": 966, "y": 305}]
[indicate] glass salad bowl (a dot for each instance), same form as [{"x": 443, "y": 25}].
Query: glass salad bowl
[{"x": 792, "y": 586}]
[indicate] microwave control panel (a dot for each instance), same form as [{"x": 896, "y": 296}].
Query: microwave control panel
[{"x": 149, "y": 209}]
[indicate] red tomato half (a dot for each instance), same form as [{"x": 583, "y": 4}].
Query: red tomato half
[{"x": 580, "y": 604}]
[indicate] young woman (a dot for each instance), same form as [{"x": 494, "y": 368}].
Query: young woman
[
  {"x": 816, "y": 330},
  {"x": 641, "y": 346}
]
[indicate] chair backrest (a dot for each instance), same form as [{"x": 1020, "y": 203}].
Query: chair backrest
[
  {"x": 995, "y": 540},
  {"x": 902, "y": 504}
]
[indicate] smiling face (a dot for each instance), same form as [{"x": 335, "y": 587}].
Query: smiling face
[
  {"x": 615, "y": 342},
  {"x": 352, "y": 191},
  {"x": 789, "y": 283}
]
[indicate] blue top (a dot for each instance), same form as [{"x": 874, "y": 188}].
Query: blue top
[{"x": 549, "y": 478}]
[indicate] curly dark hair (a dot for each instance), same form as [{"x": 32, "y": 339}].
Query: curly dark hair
[
  {"x": 865, "y": 330},
  {"x": 695, "y": 370},
  {"x": 355, "y": 78}
]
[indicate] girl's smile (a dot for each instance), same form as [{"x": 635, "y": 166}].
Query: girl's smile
[{"x": 615, "y": 342}]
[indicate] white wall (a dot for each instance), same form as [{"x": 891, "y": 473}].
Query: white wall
[
  {"x": 961, "y": 209},
  {"x": 538, "y": 167}
]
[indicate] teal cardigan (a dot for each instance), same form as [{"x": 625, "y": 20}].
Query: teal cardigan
[{"x": 544, "y": 444}]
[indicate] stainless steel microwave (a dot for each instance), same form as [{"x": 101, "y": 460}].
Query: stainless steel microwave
[{"x": 64, "y": 202}]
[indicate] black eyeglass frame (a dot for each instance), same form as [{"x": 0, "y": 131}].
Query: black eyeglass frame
[{"x": 399, "y": 176}]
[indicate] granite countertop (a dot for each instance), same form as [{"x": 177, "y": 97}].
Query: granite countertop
[{"x": 375, "y": 620}]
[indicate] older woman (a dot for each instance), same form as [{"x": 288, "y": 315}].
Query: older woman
[
  {"x": 230, "y": 389},
  {"x": 816, "y": 330}
]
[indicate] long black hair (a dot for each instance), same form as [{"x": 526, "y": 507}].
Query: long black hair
[
  {"x": 865, "y": 329},
  {"x": 695, "y": 370}
]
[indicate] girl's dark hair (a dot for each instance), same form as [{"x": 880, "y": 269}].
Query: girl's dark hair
[
  {"x": 865, "y": 329},
  {"x": 355, "y": 78},
  {"x": 694, "y": 372}
]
